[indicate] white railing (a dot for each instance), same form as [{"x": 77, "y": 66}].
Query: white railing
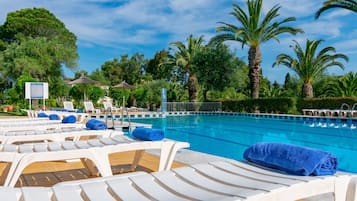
[{"x": 193, "y": 106}]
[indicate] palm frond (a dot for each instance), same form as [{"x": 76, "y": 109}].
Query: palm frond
[{"x": 330, "y": 4}]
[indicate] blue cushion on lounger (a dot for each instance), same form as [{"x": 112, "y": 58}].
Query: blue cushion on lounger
[
  {"x": 69, "y": 119},
  {"x": 95, "y": 124},
  {"x": 42, "y": 114},
  {"x": 148, "y": 134},
  {"x": 293, "y": 159},
  {"x": 54, "y": 117}
]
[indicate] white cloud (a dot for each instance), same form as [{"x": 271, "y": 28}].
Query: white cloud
[
  {"x": 130, "y": 25},
  {"x": 291, "y": 8},
  {"x": 322, "y": 29},
  {"x": 346, "y": 46}
]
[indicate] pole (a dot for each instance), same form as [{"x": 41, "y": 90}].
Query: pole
[{"x": 122, "y": 110}]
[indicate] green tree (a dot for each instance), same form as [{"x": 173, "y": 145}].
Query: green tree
[
  {"x": 183, "y": 56},
  {"x": 94, "y": 93},
  {"x": 36, "y": 22},
  {"x": 17, "y": 93},
  {"x": 39, "y": 57},
  {"x": 214, "y": 66},
  {"x": 240, "y": 79},
  {"x": 330, "y": 4},
  {"x": 59, "y": 89},
  {"x": 254, "y": 30},
  {"x": 112, "y": 72},
  {"x": 291, "y": 86},
  {"x": 39, "y": 44},
  {"x": 98, "y": 75},
  {"x": 157, "y": 71},
  {"x": 345, "y": 86},
  {"x": 309, "y": 64},
  {"x": 128, "y": 69}
]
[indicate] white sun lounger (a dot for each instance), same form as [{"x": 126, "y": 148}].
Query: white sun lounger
[
  {"x": 216, "y": 181},
  {"x": 59, "y": 126},
  {"x": 108, "y": 106},
  {"x": 29, "y": 123},
  {"x": 55, "y": 135},
  {"x": 96, "y": 150},
  {"x": 68, "y": 105},
  {"x": 89, "y": 107}
]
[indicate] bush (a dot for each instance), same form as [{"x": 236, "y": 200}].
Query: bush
[
  {"x": 324, "y": 103},
  {"x": 286, "y": 105},
  {"x": 264, "y": 105}
]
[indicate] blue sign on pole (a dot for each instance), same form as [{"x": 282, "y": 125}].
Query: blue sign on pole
[{"x": 163, "y": 100}]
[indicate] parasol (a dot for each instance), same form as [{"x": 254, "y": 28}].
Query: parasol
[
  {"x": 83, "y": 80},
  {"x": 124, "y": 85}
]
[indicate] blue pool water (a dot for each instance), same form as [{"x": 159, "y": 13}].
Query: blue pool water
[{"x": 229, "y": 136}]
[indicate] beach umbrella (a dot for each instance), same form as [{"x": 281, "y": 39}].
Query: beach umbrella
[
  {"x": 124, "y": 85},
  {"x": 84, "y": 81}
]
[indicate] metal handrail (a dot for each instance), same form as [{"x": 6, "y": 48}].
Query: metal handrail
[
  {"x": 353, "y": 107},
  {"x": 345, "y": 104},
  {"x": 106, "y": 117}
]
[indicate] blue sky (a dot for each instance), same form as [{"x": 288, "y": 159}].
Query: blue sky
[{"x": 107, "y": 28}]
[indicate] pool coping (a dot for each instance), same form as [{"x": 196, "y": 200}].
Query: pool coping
[{"x": 291, "y": 117}]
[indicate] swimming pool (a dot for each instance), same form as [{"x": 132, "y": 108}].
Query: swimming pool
[{"x": 229, "y": 136}]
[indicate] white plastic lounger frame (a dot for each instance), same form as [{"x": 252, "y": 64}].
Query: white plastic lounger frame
[
  {"x": 89, "y": 107},
  {"x": 216, "y": 181},
  {"x": 56, "y": 136},
  {"x": 8, "y": 129},
  {"x": 29, "y": 123},
  {"x": 108, "y": 106},
  {"x": 22, "y": 119},
  {"x": 34, "y": 115},
  {"x": 68, "y": 105},
  {"x": 96, "y": 150}
]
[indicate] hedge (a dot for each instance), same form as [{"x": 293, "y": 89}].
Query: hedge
[
  {"x": 325, "y": 103},
  {"x": 262, "y": 105},
  {"x": 285, "y": 105}
]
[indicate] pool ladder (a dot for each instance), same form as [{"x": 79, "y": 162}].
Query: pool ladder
[{"x": 110, "y": 112}]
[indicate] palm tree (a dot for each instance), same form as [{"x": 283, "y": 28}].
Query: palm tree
[
  {"x": 329, "y": 4},
  {"x": 310, "y": 64},
  {"x": 343, "y": 87},
  {"x": 254, "y": 31},
  {"x": 182, "y": 58}
]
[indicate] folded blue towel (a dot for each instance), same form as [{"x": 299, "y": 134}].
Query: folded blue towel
[
  {"x": 54, "y": 117},
  {"x": 42, "y": 114},
  {"x": 69, "y": 119},
  {"x": 95, "y": 124},
  {"x": 292, "y": 159},
  {"x": 148, "y": 134}
]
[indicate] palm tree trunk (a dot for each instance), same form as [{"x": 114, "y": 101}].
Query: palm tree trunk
[
  {"x": 192, "y": 87},
  {"x": 307, "y": 91},
  {"x": 255, "y": 59}
]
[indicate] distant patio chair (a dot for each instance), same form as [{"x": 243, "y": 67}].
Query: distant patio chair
[
  {"x": 89, "y": 107},
  {"x": 68, "y": 106}
]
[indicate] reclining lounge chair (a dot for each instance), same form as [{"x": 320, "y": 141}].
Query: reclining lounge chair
[
  {"x": 55, "y": 135},
  {"x": 222, "y": 180},
  {"x": 96, "y": 150}
]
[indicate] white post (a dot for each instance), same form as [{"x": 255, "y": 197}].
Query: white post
[{"x": 122, "y": 111}]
